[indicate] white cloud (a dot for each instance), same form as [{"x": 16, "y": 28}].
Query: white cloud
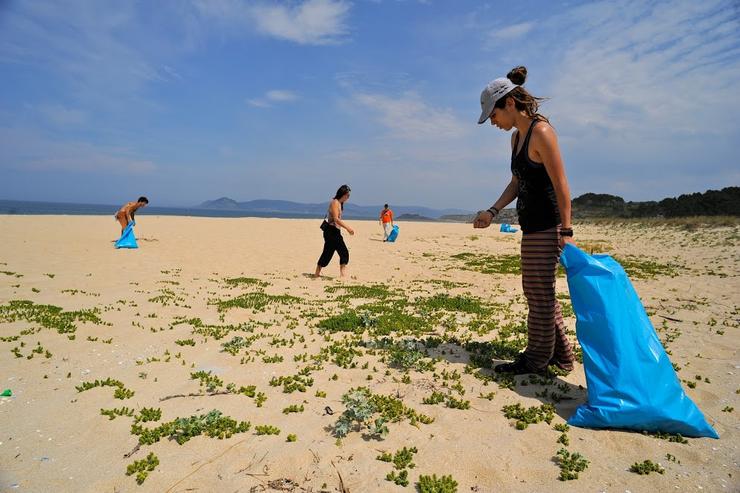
[
  {"x": 258, "y": 103},
  {"x": 409, "y": 117},
  {"x": 273, "y": 96},
  {"x": 641, "y": 93},
  {"x": 651, "y": 70},
  {"x": 281, "y": 96},
  {"x": 313, "y": 22},
  {"x": 512, "y": 32}
]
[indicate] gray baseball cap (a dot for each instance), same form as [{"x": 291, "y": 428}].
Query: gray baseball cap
[{"x": 495, "y": 90}]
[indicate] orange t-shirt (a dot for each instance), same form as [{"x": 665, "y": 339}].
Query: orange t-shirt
[{"x": 387, "y": 216}]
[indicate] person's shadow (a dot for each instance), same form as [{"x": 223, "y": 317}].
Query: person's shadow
[
  {"x": 309, "y": 275},
  {"x": 549, "y": 388}
]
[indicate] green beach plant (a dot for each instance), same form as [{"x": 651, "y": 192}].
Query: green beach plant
[
  {"x": 646, "y": 467},
  {"x": 433, "y": 484},
  {"x": 143, "y": 467},
  {"x": 571, "y": 464}
]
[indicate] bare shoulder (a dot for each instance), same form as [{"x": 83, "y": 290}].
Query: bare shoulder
[
  {"x": 513, "y": 137},
  {"x": 544, "y": 132}
]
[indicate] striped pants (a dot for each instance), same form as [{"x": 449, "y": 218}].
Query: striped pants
[{"x": 546, "y": 339}]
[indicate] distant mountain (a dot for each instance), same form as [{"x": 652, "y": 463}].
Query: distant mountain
[
  {"x": 350, "y": 210},
  {"x": 222, "y": 203},
  {"x": 414, "y": 217},
  {"x": 710, "y": 203}
]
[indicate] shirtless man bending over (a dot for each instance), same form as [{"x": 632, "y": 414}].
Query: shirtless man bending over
[{"x": 126, "y": 213}]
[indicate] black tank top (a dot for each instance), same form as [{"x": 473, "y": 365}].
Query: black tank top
[{"x": 536, "y": 205}]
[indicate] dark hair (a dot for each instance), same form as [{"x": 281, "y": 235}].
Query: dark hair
[
  {"x": 143, "y": 199},
  {"x": 523, "y": 101},
  {"x": 386, "y": 206},
  {"x": 342, "y": 191}
]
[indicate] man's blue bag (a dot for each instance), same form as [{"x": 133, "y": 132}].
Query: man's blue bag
[
  {"x": 631, "y": 381},
  {"x": 394, "y": 234},
  {"x": 127, "y": 239},
  {"x": 506, "y": 228}
]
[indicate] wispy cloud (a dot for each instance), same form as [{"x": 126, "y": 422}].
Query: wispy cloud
[
  {"x": 649, "y": 69},
  {"x": 61, "y": 115},
  {"x": 409, "y": 117},
  {"x": 641, "y": 82},
  {"x": 272, "y": 97},
  {"x": 101, "y": 54},
  {"x": 278, "y": 95},
  {"x": 312, "y": 22},
  {"x": 28, "y": 150},
  {"x": 514, "y": 31}
]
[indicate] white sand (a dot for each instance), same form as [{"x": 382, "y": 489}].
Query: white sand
[{"x": 55, "y": 439}]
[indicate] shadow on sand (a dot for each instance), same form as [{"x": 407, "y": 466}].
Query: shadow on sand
[{"x": 548, "y": 389}]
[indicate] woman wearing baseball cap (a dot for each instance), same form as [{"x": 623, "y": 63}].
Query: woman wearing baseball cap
[{"x": 539, "y": 184}]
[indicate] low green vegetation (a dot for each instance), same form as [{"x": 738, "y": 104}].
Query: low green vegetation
[
  {"x": 372, "y": 412},
  {"x": 646, "y": 467},
  {"x": 115, "y": 412},
  {"x": 213, "y": 424},
  {"x": 121, "y": 391},
  {"x": 266, "y": 430},
  {"x": 256, "y": 301},
  {"x": 292, "y": 383},
  {"x": 143, "y": 467},
  {"x": 246, "y": 281},
  {"x": 402, "y": 459},
  {"x": 645, "y": 268},
  {"x": 571, "y": 464},
  {"x": 489, "y": 264},
  {"x": 349, "y": 291},
  {"x": 48, "y": 316},
  {"x": 433, "y": 484},
  {"x": 531, "y": 415}
]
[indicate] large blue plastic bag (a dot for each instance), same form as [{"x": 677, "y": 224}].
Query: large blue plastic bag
[
  {"x": 394, "y": 234},
  {"x": 631, "y": 381},
  {"x": 127, "y": 239}
]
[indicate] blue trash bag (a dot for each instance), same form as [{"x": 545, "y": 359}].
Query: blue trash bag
[
  {"x": 394, "y": 234},
  {"x": 127, "y": 239},
  {"x": 506, "y": 228},
  {"x": 631, "y": 381}
]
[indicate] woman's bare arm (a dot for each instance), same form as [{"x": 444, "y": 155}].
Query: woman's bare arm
[{"x": 547, "y": 151}]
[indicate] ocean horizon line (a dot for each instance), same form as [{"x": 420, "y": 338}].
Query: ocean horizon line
[{"x": 40, "y": 208}]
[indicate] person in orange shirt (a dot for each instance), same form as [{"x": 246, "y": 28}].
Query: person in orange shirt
[{"x": 386, "y": 220}]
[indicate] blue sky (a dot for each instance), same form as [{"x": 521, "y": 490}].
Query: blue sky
[{"x": 190, "y": 100}]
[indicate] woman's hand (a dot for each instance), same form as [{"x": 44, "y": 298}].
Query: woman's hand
[
  {"x": 350, "y": 231},
  {"x": 483, "y": 219},
  {"x": 566, "y": 239}
]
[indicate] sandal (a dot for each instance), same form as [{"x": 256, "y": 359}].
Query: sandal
[{"x": 517, "y": 367}]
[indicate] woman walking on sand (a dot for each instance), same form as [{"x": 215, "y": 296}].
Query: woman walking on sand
[
  {"x": 333, "y": 241},
  {"x": 539, "y": 184}
]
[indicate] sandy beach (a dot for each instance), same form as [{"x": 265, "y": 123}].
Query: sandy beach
[{"x": 206, "y": 308}]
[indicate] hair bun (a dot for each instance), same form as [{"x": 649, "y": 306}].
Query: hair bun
[{"x": 517, "y": 75}]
